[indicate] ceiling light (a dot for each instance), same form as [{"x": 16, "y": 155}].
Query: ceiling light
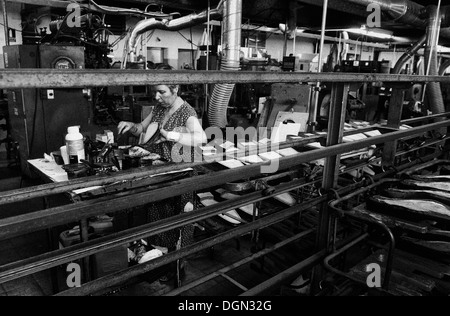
[
  {"x": 373, "y": 32},
  {"x": 283, "y": 29}
]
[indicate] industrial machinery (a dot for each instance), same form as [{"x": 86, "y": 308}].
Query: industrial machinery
[{"x": 39, "y": 117}]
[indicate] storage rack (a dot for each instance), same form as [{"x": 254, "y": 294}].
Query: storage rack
[
  {"x": 353, "y": 208},
  {"x": 52, "y": 217}
]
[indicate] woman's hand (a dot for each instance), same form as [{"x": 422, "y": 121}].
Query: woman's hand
[
  {"x": 124, "y": 127},
  {"x": 171, "y": 136},
  {"x": 163, "y": 137}
]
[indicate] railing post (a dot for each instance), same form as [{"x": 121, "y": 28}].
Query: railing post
[
  {"x": 338, "y": 111},
  {"x": 394, "y": 120}
]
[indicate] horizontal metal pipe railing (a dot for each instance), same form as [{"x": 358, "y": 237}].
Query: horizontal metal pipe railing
[
  {"x": 234, "y": 175},
  {"x": 267, "y": 286},
  {"x": 425, "y": 118},
  {"x": 141, "y": 174},
  {"x": 14, "y": 226},
  {"x": 425, "y": 145},
  {"x": 240, "y": 263},
  {"x": 52, "y": 259},
  {"x": 51, "y": 78},
  {"x": 342, "y": 250},
  {"x": 121, "y": 277}
]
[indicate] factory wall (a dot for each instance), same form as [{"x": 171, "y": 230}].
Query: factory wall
[
  {"x": 165, "y": 46},
  {"x": 14, "y": 22}
]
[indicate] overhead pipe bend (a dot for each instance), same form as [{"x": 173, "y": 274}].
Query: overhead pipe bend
[
  {"x": 133, "y": 12},
  {"x": 345, "y": 46},
  {"x": 444, "y": 66},
  {"x": 231, "y": 12},
  {"x": 409, "y": 54},
  {"x": 169, "y": 25},
  {"x": 403, "y": 11}
]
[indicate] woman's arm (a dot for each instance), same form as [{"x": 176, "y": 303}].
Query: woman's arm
[
  {"x": 194, "y": 136},
  {"x": 135, "y": 128}
]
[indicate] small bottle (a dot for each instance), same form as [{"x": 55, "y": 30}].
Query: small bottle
[{"x": 75, "y": 145}]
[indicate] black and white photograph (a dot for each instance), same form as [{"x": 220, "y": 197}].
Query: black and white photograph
[{"x": 234, "y": 155}]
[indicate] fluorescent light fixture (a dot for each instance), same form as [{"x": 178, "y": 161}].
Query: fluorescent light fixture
[
  {"x": 377, "y": 33},
  {"x": 282, "y": 28}
]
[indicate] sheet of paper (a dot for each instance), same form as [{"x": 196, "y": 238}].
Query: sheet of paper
[
  {"x": 287, "y": 152},
  {"x": 227, "y": 145},
  {"x": 270, "y": 156},
  {"x": 373, "y": 133},
  {"x": 251, "y": 159},
  {"x": 246, "y": 145},
  {"x": 281, "y": 132},
  {"x": 232, "y": 163}
]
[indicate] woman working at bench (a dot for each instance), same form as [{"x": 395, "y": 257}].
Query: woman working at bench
[{"x": 178, "y": 125}]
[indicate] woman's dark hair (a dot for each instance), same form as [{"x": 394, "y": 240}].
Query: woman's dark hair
[
  {"x": 172, "y": 87},
  {"x": 163, "y": 67}
]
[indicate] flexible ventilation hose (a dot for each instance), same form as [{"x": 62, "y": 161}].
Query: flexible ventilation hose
[
  {"x": 434, "y": 91},
  {"x": 217, "y": 113},
  {"x": 444, "y": 67},
  {"x": 409, "y": 54}
]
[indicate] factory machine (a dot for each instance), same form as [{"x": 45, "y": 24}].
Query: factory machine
[
  {"x": 286, "y": 208},
  {"x": 40, "y": 117}
]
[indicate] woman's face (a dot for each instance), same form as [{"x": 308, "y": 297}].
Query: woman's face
[{"x": 164, "y": 96}]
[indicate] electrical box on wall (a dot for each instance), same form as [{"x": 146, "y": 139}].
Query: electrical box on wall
[
  {"x": 40, "y": 117},
  {"x": 301, "y": 63}
]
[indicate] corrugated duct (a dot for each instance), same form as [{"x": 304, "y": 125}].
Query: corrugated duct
[
  {"x": 231, "y": 11},
  {"x": 434, "y": 91},
  {"x": 409, "y": 54},
  {"x": 231, "y": 49}
]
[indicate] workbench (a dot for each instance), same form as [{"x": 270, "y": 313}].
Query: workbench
[{"x": 49, "y": 172}]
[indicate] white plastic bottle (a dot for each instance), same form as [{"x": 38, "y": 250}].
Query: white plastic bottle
[{"x": 75, "y": 145}]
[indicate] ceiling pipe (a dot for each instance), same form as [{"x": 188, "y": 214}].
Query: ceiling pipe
[
  {"x": 5, "y": 22},
  {"x": 407, "y": 12},
  {"x": 231, "y": 61},
  {"x": 402, "y": 11},
  {"x": 170, "y": 25},
  {"x": 293, "y": 18},
  {"x": 132, "y": 12},
  {"x": 409, "y": 54},
  {"x": 444, "y": 66}
]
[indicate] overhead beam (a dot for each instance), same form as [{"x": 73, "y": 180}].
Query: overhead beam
[
  {"x": 44, "y": 3},
  {"x": 48, "y": 78}
]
